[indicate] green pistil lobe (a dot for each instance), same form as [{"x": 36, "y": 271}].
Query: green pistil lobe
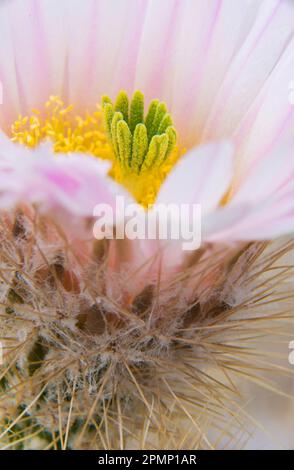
[{"x": 139, "y": 143}]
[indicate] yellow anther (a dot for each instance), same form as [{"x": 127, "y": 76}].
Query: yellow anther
[{"x": 67, "y": 131}]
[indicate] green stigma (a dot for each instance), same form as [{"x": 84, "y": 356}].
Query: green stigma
[{"x": 139, "y": 142}]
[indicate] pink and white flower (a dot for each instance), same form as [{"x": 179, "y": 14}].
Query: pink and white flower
[
  {"x": 223, "y": 70},
  {"x": 135, "y": 343}
]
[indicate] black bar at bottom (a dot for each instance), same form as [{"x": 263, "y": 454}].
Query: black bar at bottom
[{"x": 139, "y": 459}]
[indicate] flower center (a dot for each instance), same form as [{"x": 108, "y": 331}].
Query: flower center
[{"x": 142, "y": 148}]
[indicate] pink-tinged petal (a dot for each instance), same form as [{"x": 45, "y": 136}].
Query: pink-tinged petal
[
  {"x": 201, "y": 177},
  {"x": 247, "y": 222},
  {"x": 254, "y": 63},
  {"x": 33, "y": 59},
  {"x": 67, "y": 48},
  {"x": 270, "y": 119},
  {"x": 77, "y": 49},
  {"x": 9, "y": 100},
  {"x": 104, "y": 38},
  {"x": 54, "y": 45},
  {"x": 72, "y": 183},
  {"x": 263, "y": 207},
  {"x": 268, "y": 176},
  {"x": 156, "y": 48},
  {"x": 216, "y": 30},
  {"x": 220, "y": 225},
  {"x": 274, "y": 216}
]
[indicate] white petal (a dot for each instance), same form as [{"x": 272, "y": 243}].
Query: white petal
[
  {"x": 254, "y": 63},
  {"x": 200, "y": 177},
  {"x": 270, "y": 119},
  {"x": 268, "y": 175},
  {"x": 206, "y": 38},
  {"x": 33, "y": 59}
]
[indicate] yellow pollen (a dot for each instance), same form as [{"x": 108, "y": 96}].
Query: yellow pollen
[{"x": 142, "y": 149}]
